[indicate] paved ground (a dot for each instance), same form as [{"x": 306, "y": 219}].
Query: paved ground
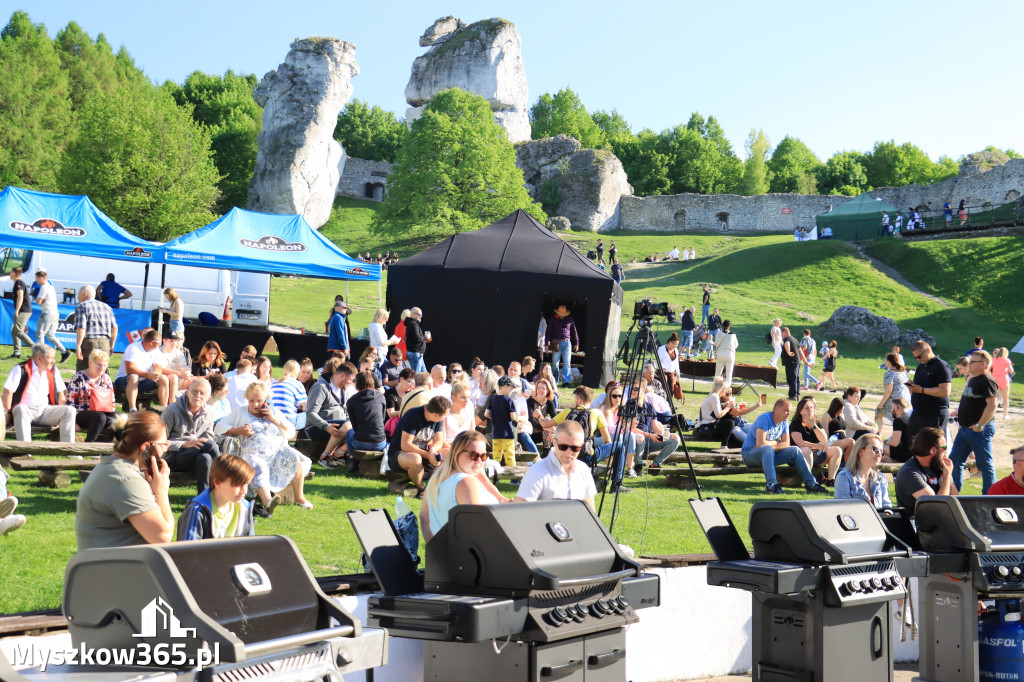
[{"x": 905, "y": 672}]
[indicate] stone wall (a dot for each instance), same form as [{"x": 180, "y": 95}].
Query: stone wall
[
  {"x": 987, "y": 190},
  {"x": 689, "y": 212},
  {"x": 360, "y": 173}
]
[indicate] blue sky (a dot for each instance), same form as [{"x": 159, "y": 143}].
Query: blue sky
[{"x": 836, "y": 75}]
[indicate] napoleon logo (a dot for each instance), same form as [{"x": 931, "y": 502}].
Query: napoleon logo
[
  {"x": 138, "y": 252},
  {"x": 357, "y": 272},
  {"x": 48, "y": 227},
  {"x": 269, "y": 242},
  {"x": 67, "y": 325}
]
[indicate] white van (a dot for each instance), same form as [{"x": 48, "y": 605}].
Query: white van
[{"x": 202, "y": 289}]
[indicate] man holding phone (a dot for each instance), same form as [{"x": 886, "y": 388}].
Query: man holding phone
[{"x": 929, "y": 391}]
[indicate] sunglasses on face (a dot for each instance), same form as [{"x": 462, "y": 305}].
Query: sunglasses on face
[
  {"x": 476, "y": 456},
  {"x": 456, "y": 371},
  {"x": 573, "y": 448},
  {"x": 615, "y": 395},
  {"x": 875, "y": 450}
]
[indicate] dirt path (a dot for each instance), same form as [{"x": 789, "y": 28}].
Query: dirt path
[{"x": 882, "y": 267}]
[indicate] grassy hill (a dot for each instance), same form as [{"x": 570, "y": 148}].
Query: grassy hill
[{"x": 754, "y": 278}]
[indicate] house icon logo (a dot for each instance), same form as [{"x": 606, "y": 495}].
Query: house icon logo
[{"x": 158, "y": 616}]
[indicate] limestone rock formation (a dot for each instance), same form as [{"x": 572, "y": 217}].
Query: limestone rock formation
[
  {"x": 441, "y": 30},
  {"x": 860, "y": 325},
  {"x": 484, "y": 58},
  {"x": 588, "y": 182},
  {"x": 909, "y": 337},
  {"x": 299, "y": 161},
  {"x": 559, "y": 223}
]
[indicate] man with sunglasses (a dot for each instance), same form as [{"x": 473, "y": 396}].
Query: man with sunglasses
[
  {"x": 976, "y": 416},
  {"x": 929, "y": 391},
  {"x": 1014, "y": 483},
  {"x": 559, "y": 476}
]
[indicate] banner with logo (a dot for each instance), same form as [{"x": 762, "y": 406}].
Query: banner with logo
[{"x": 128, "y": 322}]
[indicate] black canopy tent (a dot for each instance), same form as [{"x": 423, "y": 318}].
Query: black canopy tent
[{"x": 483, "y": 294}]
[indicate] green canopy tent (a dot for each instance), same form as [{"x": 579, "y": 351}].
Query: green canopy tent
[{"x": 856, "y": 219}]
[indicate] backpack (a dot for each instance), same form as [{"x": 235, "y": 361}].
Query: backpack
[
  {"x": 768, "y": 339},
  {"x": 582, "y": 417}
]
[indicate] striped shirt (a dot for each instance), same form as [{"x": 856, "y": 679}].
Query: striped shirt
[
  {"x": 287, "y": 395},
  {"x": 97, "y": 319}
]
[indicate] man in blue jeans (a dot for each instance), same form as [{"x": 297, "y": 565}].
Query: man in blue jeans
[
  {"x": 767, "y": 444},
  {"x": 705, "y": 308},
  {"x": 560, "y": 337},
  {"x": 976, "y": 417},
  {"x": 415, "y": 340}
]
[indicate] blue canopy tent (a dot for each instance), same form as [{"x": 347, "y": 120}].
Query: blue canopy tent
[
  {"x": 264, "y": 242},
  {"x": 67, "y": 224}
]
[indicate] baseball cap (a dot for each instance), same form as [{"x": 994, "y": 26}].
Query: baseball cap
[
  {"x": 41, "y": 271},
  {"x": 506, "y": 381},
  {"x": 170, "y": 334}
]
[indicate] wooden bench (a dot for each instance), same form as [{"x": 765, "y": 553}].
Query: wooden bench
[{"x": 53, "y": 472}]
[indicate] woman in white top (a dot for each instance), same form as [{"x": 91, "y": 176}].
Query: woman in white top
[
  {"x": 725, "y": 351},
  {"x": 669, "y": 356},
  {"x": 378, "y": 337},
  {"x": 459, "y": 480},
  {"x": 776, "y": 332},
  {"x": 856, "y": 420},
  {"x": 177, "y": 311},
  {"x": 462, "y": 416}
]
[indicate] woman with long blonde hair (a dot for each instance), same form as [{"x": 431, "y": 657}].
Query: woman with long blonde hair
[
  {"x": 379, "y": 337},
  {"x": 459, "y": 480}
]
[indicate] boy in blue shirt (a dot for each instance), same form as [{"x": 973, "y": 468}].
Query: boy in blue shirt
[
  {"x": 501, "y": 411},
  {"x": 221, "y": 511},
  {"x": 767, "y": 444}
]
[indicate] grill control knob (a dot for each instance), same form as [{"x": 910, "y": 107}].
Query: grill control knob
[
  {"x": 557, "y": 616},
  {"x": 852, "y": 586},
  {"x": 571, "y": 612},
  {"x": 623, "y": 602},
  {"x": 865, "y": 585},
  {"x": 583, "y": 609},
  {"x": 876, "y": 583},
  {"x": 1001, "y": 572},
  {"x": 602, "y": 607},
  {"x": 1015, "y": 572}
]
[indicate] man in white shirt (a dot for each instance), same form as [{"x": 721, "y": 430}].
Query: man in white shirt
[
  {"x": 46, "y": 327},
  {"x": 240, "y": 381},
  {"x": 674, "y": 253},
  {"x": 559, "y": 476},
  {"x": 34, "y": 393},
  {"x": 140, "y": 370},
  {"x": 438, "y": 385}
]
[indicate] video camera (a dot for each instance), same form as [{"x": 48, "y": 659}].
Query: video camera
[{"x": 647, "y": 309}]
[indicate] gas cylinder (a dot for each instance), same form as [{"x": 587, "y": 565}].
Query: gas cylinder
[{"x": 1001, "y": 642}]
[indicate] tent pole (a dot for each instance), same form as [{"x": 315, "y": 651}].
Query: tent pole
[
  {"x": 145, "y": 285},
  {"x": 160, "y": 315}
]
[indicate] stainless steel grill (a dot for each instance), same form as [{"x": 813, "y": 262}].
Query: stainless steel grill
[
  {"x": 976, "y": 545},
  {"x": 823, "y": 577},
  {"x": 523, "y": 591},
  {"x": 231, "y": 610}
]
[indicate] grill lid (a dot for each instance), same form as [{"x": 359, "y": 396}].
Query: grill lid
[
  {"x": 970, "y": 523},
  {"x": 818, "y": 531},
  {"x": 514, "y": 549}
]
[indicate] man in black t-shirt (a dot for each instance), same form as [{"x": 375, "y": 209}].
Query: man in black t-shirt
[
  {"x": 897, "y": 448},
  {"x": 977, "y": 426},
  {"x": 393, "y": 366},
  {"x": 418, "y": 439},
  {"x": 928, "y": 472},
  {"x": 705, "y": 303},
  {"x": 791, "y": 361},
  {"x": 394, "y": 394},
  {"x": 929, "y": 391},
  {"x": 22, "y": 312}
]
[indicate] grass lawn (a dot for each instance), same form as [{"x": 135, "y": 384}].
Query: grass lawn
[{"x": 753, "y": 279}]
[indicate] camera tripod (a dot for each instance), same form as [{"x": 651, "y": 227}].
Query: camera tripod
[{"x": 644, "y": 347}]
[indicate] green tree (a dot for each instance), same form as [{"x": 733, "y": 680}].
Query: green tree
[
  {"x": 755, "y": 179},
  {"x": 615, "y": 128},
  {"x": 844, "y": 173},
  {"x": 144, "y": 161},
  {"x": 793, "y": 167},
  {"x": 646, "y": 167},
  {"x": 564, "y": 114},
  {"x": 35, "y": 110},
  {"x": 892, "y": 165},
  {"x": 224, "y": 104},
  {"x": 455, "y": 172},
  {"x": 369, "y": 132},
  {"x": 91, "y": 66}
]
